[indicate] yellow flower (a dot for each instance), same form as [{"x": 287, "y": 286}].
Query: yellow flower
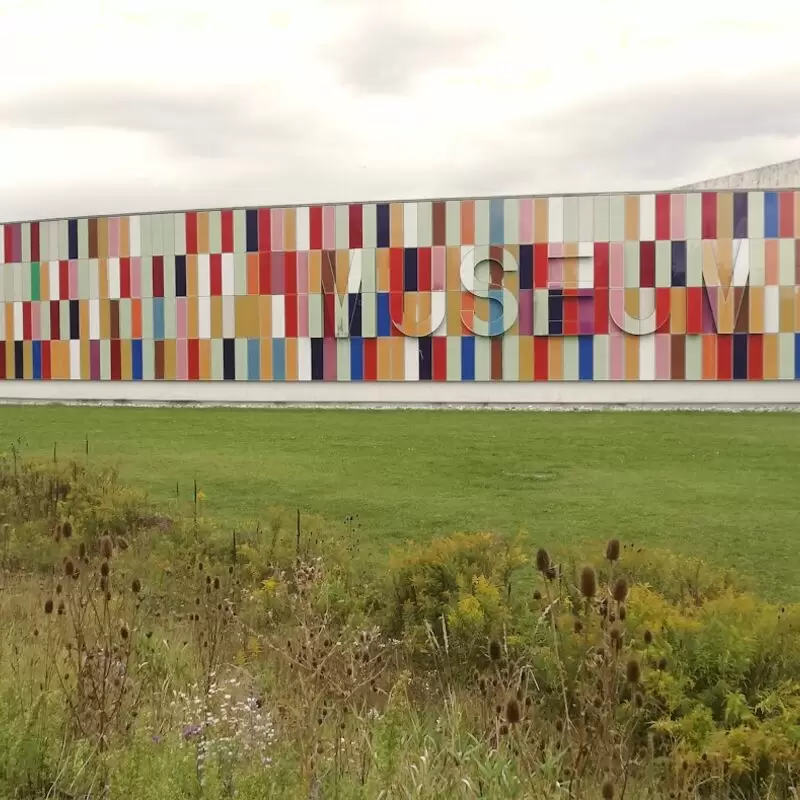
[{"x": 201, "y": 495}]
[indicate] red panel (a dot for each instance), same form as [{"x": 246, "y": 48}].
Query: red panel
[
  {"x": 8, "y": 243},
  {"x": 27, "y": 319},
  {"x": 328, "y": 315},
  {"x": 541, "y": 266},
  {"x": 35, "y": 256},
  {"x": 356, "y": 225},
  {"x": 647, "y": 265},
  {"x": 290, "y": 315},
  {"x": 47, "y": 368},
  {"x": 370, "y": 359},
  {"x": 424, "y": 269},
  {"x": 264, "y": 230},
  {"x": 786, "y": 211},
  {"x": 193, "y": 347},
  {"x": 694, "y": 309},
  {"x": 125, "y": 277},
  {"x": 571, "y": 308},
  {"x": 116, "y": 360},
  {"x": 2, "y": 363},
  {"x": 601, "y": 311},
  {"x": 63, "y": 280},
  {"x": 396, "y": 269},
  {"x": 755, "y": 357},
  {"x": 663, "y": 216},
  {"x": 724, "y": 357},
  {"x": 264, "y": 273},
  {"x": 158, "y": 276},
  {"x": 663, "y": 308},
  {"x": 709, "y": 226},
  {"x": 215, "y": 261},
  {"x": 55, "y": 320},
  {"x": 290, "y": 273},
  {"x": 191, "y": 232},
  {"x": 396, "y": 304},
  {"x": 541, "y": 358},
  {"x": 227, "y": 231},
  {"x": 439, "y": 353},
  {"x": 601, "y": 265},
  {"x": 315, "y": 227}
]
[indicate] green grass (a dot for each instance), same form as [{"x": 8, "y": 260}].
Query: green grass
[{"x": 725, "y": 487}]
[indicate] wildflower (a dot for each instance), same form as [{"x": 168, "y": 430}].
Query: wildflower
[{"x": 588, "y": 582}]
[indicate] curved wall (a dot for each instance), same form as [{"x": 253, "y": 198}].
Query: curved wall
[{"x": 689, "y": 288}]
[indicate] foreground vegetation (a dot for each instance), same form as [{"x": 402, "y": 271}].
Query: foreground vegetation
[
  {"x": 148, "y": 652},
  {"x": 721, "y": 487}
]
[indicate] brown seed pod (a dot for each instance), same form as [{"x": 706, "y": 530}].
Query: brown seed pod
[
  {"x": 607, "y": 789},
  {"x": 588, "y": 582},
  {"x": 648, "y": 638},
  {"x": 136, "y": 586},
  {"x": 48, "y": 606},
  {"x": 620, "y": 591},
  {"x": 512, "y": 711},
  {"x": 612, "y": 550},
  {"x": 495, "y": 651},
  {"x": 106, "y": 547},
  {"x": 542, "y": 560},
  {"x": 633, "y": 671}
]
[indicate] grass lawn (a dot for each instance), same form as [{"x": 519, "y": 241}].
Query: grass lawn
[{"x": 722, "y": 486}]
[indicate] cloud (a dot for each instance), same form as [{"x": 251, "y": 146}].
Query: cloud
[
  {"x": 388, "y": 52},
  {"x": 207, "y": 124}
]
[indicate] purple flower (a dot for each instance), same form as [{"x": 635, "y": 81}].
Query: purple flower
[
  {"x": 157, "y": 739},
  {"x": 190, "y": 731}
]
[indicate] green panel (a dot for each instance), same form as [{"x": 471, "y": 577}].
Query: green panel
[
  {"x": 482, "y": 221},
  {"x": 239, "y": 231},
  {"x": 83, "y": 279},
  {"x": 342, "y": 360},
  {"x": 125, "y": 326},
  {"x": 169, "y": 276},
  {"x": 755, "y": 215},
  {"x": 83, "y": 238},
  {"x": 240, "y": 273},
  {"x": 36, "y": 281},
  {"x": 148, "y": 360},
  {"x": 44, "y": 241},
  {"x": 424, "y": 224},
  {"x": 694, "y": 216},
  {"x": 453, "y": 358},
  {"x": 786, "y": 359},
  {"x": 571, "y": 219},
  {"x": 368, "y": 271},
  {"x": 44, "y": 320},
  {"x": 315, "y": 318},
  {"x": 483, "y": 358},
  {"x": 571, "y": 358},
  {"x": 694, "y": 357},
  {"x": 694, "y": 262},
  {"x": 147, "y": 318},
  {"x": 157, "y": 234},
  {"x": 600, "y": 357},
  {"x": 179, "y": 226},
  {"x": 168, "y": 234},
  {"x": 4, "y": 281},
  {"x": 511, "y": 221},
  {"x": 63, "y": 319},
  {"x": 586, "y": 219},
  {"x": 510, "y": 358},
  {"x": 63, "y": 239},
  {"x": 105, "y": 359},
  {"x": 369, "y": 314},
  {"x": 370, "y": 228},
  {"x": 663, "y": 264},
  {"x": 170, "y": 322},
  {"x": 786, "y": 271},
  {"x": 541, "y": 312},
  {"x": 602, "y": 218},
  {"x": 217, "y": 371},
  {"x": 240, "y": 350},
  {"x": 452, "y": 218},
  {"x": 616, "y": 218},
  {"x": 94, "y": 279},
  {"x": 758, "y": 268},
  {"x": 342, "y": 227},
  {"x": 26, "y": 242},
  {"x": 631, "y": 264},
  {"x": 215, "y": 232},
  {"x": 25, "y": 272}
]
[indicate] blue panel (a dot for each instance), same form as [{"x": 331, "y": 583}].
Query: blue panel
[
  {"x": 383, "y": 227},
  {"x": 410, "y": 282},
  {"x": 251, "y": 221},
  {"x": 279, "y": 359},
  {"x": 137, "y": 361},
  {"x": 586, "y": 358},
  {"x": 467, "y": 358},
  {"x": 158, "y": 318},
  {"x": 37, "y": 360},
  {"x": 495, "y": 312},
  {"x": 253, "y": 359},
  {"x": 496, "y": 221},
  {"x": 797, "y": 356},
  {"x": 356, "y": 359},
  {"x": 384, "y": 316},
  {"x": 740, "y": 356},
  {"x": 526, "y": 266},
  {"x": 72, "y": 238},
  {"x": 678, "y": 264},
  {"x": 770, "y": 215}
]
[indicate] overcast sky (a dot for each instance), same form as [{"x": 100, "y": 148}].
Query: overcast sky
[{"x": 158, "y": 104}]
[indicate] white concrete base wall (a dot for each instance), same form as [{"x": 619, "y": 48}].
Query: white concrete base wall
[{"x": 645, "y": 394}]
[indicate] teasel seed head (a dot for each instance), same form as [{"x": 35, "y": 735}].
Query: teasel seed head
[
  {"x": 136, "y": 586},
  {"x": 620, "y": 590},
  {"x": 48, "y": 606},
  {"x": 612, "y": 550},
  {"x": 638, "y": 700},
  {"x": 69, "y": 567},
  {"x": 633, "y": 671},
  {"x": 607, "y": 789},
  {"x": 623, "y": 613},
  {"x": 512, "y": 711},
  {"x": 81, "y": 551},
  {"x": 588, "y": 582},
  {"x": 495, "y": 651},
  {"x": 542, "y": 560},
  {"x": 648, "y": 638},
  {"x": 66, "y": 530},
  {"x": 662, "y": 663},
  {"x": 578, "y": 626},
  {"x": 106, "y": 547},
  {"x": 105, "y": 569}
]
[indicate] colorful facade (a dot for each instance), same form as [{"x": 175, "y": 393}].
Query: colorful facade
[{"x": 674, "y": 287}]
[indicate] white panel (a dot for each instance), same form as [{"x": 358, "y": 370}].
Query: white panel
[
  {"x": 18, "y": 332},
  {"x": 741, "y": 262},
  {"x": 411, "y": 358},
  {"x": 204, "y": 317},
  {"x": 228, "y": 317},
  {"x": 75, "y": 361},
  {"x": 204, "y": 275},
  {"x": 303, "y": 229},
  {"x": 278, "y": 317},
  {"x": 135, "y": 236},
  {"x": 55, "y": 287},
  {"x": 771, "y": 309},
  {"x": 228, "y": 274},
  {"x": 354, "y": 273},
  {"x": 647, "y": 357},
  {"x": 303, "y": 356},
  {"x": 52, "y": 240},
  {"x": 94, "y": 319},
  {"x": 410, "y": 224},
  {"x": 647, "y": 217},
  {"x": 113, "y": 279}
]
